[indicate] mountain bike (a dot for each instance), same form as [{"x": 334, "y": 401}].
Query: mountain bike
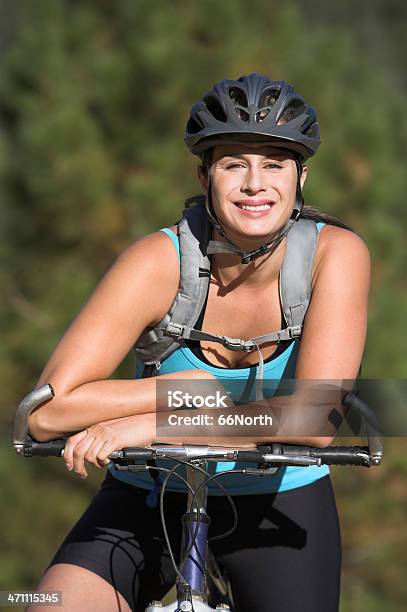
[{"x": 200, "y": 582}]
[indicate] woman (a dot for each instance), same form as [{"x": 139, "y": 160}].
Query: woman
[{"x": 253, "y": 136}]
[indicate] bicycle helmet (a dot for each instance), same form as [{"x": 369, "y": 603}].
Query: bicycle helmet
[{"x": 253, "y": 109}]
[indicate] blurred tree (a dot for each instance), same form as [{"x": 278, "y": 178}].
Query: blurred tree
[
  {"x": 94, "y": 97},
  {"x": 93, "y": 100}
]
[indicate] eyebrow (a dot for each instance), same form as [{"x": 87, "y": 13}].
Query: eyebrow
[{"x": 281, "y": 156}]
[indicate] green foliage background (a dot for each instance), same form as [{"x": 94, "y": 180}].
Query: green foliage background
[{"x": 94, "y": 96}]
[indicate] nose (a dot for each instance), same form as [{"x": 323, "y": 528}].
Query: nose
[{"x": 253, "y": 180}]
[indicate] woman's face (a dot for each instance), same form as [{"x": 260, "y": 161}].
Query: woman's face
[{"x": 253, "y": 188}]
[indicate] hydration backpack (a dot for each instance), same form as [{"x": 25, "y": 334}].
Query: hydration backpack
[{"x": 155, "y": 344}]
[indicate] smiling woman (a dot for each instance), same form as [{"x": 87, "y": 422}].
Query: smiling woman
[
  {"x": 260, "y": 182},
  {"x": 224, "y": 295}
]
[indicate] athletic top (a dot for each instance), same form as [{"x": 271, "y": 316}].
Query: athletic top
[{"x": 278, "y": 367}]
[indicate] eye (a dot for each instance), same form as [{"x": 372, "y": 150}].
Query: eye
[
  {"x": 274, "y": 166},
  {"x": 234, "y": 165}
]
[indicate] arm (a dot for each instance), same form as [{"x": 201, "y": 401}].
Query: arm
[
  {"x": 336, "y": 323},
  {"x": 134, "y": 294}
]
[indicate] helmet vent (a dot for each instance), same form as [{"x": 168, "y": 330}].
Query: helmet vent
[
  {"x": 293, "y": 110},
  {"x": 214, "y": 107},
  {"x": 312, "y": 131},
  {"x": 242, "y": 114},
  {"x": 269, "y": 97},
  {"x": 239, "y": 100},
  {"x": 267, "y": 101},
  {"x": 262, "y": 114},
  {"x": 193, "y": 126},
  {"x": 238, "y": 96}
]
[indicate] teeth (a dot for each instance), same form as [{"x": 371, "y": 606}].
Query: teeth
[{"x": 261, "y": 207}]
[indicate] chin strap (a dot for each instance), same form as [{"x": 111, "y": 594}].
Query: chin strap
[{"x": 216, "y": 246}]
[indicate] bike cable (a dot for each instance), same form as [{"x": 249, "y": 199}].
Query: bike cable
[
  {"x": 194, "y": 503},
  {"x": 220, "y": 536},
  {"x": 169, "y": 473}
]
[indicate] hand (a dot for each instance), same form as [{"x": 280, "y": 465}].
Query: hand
[{"x": 97, "y": 442}]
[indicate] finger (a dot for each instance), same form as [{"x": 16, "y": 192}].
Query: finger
[
  {"x": 93, "y": 452},
  {"x": 70, "y": 446},
  {"x": 79, "y": 455},
  {"x": 105, "y": 450}
]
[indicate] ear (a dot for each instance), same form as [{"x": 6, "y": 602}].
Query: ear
[
  {"x": 303, "y": 176},
  {"x": 203, "y": 179}
]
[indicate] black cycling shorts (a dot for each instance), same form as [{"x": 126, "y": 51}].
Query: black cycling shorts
[{"x": 284, "y": 556}]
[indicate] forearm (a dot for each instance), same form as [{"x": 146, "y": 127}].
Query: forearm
[
  {"x": 98, "y": 401},
  {"x": 308, "y": 417},
  {"x": 96, "y": 444},
  {"x": 301, "y": 418}
]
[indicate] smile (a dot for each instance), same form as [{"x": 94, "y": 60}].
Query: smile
[{"x": 253, "y": 208}]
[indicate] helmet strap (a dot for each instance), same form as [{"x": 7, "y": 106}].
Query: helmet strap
[{"x": 215, "y": 246}]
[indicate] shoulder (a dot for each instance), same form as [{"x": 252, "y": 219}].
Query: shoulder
[
  {"x": 156, "y": 251},
  {"x": 156, "y": 242},
  {"x": 149, "y": 252},
  {"x": 150, "y": 268},
  {"x": 340, "y": 252}
]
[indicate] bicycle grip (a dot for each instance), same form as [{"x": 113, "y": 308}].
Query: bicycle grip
[
  {"x": 343, "y": 455},
  {"x": 52, "y": 448}
]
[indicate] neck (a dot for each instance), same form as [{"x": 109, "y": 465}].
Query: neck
[{"x": 229, "y": 272}]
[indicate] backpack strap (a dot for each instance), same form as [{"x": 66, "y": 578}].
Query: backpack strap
[
  {"x": 154, "y": 344},
  {"x": 296, "y": 272}
]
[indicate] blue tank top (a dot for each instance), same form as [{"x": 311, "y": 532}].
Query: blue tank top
[{"x": 281, "y": 368}]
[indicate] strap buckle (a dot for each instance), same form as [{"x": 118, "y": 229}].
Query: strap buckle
[
  {"x": 174, "y": 329},
  {"x": 236, "y": 344},
  {"x": 295, "y": 331},
  {"x": 249, "y": 256}
]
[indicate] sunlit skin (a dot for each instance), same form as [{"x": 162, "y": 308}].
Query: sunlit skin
[{"x": 255, "y": 173}]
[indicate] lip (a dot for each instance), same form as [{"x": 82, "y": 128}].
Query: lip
[
  {"x": 254, "y": 202},
  {"x": 254, "y": 214}
]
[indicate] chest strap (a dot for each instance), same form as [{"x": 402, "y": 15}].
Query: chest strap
[{"x": 178, "y": 331}]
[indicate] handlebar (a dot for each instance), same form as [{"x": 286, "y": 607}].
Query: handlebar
[
  {"x": 280, "y": 454},
  {"x": 267, "y": 456}
]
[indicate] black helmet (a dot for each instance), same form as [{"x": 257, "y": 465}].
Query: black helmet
[{"x": 254, "y": 108}]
